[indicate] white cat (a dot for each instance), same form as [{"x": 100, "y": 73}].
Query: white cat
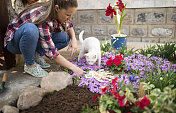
[{"x": 90, "y": 46}]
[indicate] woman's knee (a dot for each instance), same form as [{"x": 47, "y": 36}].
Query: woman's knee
[{"x": 31, "y": 30}]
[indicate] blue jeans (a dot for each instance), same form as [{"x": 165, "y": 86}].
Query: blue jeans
[{"x": 26, "y": 42}]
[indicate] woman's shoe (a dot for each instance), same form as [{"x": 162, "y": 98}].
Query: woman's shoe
[
  {"x": 35, "y": 71},
  {"x": 42, "y": 62}
]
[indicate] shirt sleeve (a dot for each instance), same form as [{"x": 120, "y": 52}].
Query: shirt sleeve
[{"x": 46, "y": 40}]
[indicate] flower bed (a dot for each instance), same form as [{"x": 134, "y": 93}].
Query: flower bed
[{"x": 136, "y": 68}]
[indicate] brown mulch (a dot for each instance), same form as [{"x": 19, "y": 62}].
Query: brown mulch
[{"x": 68, "y": 100}]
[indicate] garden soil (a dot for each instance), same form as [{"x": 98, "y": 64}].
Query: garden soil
[{"x": 68, "y": 100}]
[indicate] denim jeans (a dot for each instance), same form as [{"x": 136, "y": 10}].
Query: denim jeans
[{"x": 26, "y": 42}]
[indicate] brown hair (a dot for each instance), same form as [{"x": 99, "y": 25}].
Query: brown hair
[{"x": 50, "y": 12}]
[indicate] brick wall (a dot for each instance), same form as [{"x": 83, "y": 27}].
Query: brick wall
[{"x": 140, "y": 24}]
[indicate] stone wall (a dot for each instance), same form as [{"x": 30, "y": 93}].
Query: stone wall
[{"x": 140, "y": 24}]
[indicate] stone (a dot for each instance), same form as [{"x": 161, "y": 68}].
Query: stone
[
  {"x": 150, "y": 16},
  {"x": 17, "y": 82},
  {"x": 56, "y": 81},
  {"x": 9, "y": 109},
  {"x": 86, "y": 28},
  {"x": 30, "y": 97},
  {"x": 99, "y": 30},
  {"x": 139, "y": 32},
  {"x": 103, "y": 19},
  {"x": 87, "y": 17},
  {"x": 161, "y": 32}
]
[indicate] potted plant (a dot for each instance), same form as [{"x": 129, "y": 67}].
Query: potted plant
[{"x": 117, "y": 13}]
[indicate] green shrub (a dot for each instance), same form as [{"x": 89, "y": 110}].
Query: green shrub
[{"x": 166, "y": 51}]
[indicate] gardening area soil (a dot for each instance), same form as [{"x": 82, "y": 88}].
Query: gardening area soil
[{"x": 68, "y": 100}]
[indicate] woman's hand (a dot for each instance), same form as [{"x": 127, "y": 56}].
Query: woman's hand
[
  {"x": 67, "y": 64},
  {"x": 79, "y": 72},
  {"x": 73, "y": 46}
]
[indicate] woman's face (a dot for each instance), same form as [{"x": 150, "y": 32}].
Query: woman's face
[{"x": 65, "y": 14}]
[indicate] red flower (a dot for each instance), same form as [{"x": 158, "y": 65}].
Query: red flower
[
  {"x": 110, "y": 11},
  {"x": 144, "y": 102},
  {"x": 121, "y": 100},
  {"x": 95, "y": 97},
  {"x": 117, "y": 61},
  {"x": 119, "y": 57},
  {"x": 114, "y": 91},
  {"x": 103, "y": 90},
  {"x": 121, "y": 5},
  {"x": 114, "y": 81},
  {"x": 109, "y": 62}
]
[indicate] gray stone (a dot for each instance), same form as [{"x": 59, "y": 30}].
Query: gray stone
[
  {"x": 79, "y": 28},
  {"x": 87, "y": 17},
  {"x": 150, "y": 16},
  {"x": 17, "y": 81},
  {"x": 165, "y": 31},
  {"x": 103, "y": 19},
  {"x": 171, "y": 15},
  {"x": 161, "y": 32},
  {"x": 10, "y": 109},
  {"x": 138, "y": 31},
  {"x": 99, "y": 30},
  {"x": 129, "y": 18},
  {"x": 30, "y": 97},
  {"x": 112, "y": 29},
  {"x": 56, "y": 81}
]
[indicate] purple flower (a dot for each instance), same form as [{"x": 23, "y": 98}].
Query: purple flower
[{"x": 132, "y": 78}]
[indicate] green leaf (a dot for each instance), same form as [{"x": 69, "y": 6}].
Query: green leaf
[
  {"x": 145, "y": 87},
  {"x": 156, "y": 92},
  {"x": 149, "y": 55}
]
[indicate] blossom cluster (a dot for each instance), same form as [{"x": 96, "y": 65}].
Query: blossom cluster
[
  {"x": 135, "y": 62},
  {"x": 112, "y": 11},
  {"x": 121, "y": 99},
  {"x": 115, "y": 63},
  {"x": 143, "y": 102},
  {"x": 144, "y": 65}
]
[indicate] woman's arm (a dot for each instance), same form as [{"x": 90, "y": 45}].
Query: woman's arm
[
  {"x": 73, "y": 44},
  {"x": 65, "y": 63}
]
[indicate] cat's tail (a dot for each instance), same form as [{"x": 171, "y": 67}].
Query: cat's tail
[{"x": 81, "y": 36}]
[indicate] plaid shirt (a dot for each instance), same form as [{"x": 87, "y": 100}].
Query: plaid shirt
[{"x": 46, "y": 29}]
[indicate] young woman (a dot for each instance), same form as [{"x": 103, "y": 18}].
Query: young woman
[{"x": 43, "y": 29}]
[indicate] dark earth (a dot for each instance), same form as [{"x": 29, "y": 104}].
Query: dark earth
[{"x": 68, "y": 100}]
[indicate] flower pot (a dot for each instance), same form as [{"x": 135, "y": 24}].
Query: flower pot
[{"x": 118, "y": 42}]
